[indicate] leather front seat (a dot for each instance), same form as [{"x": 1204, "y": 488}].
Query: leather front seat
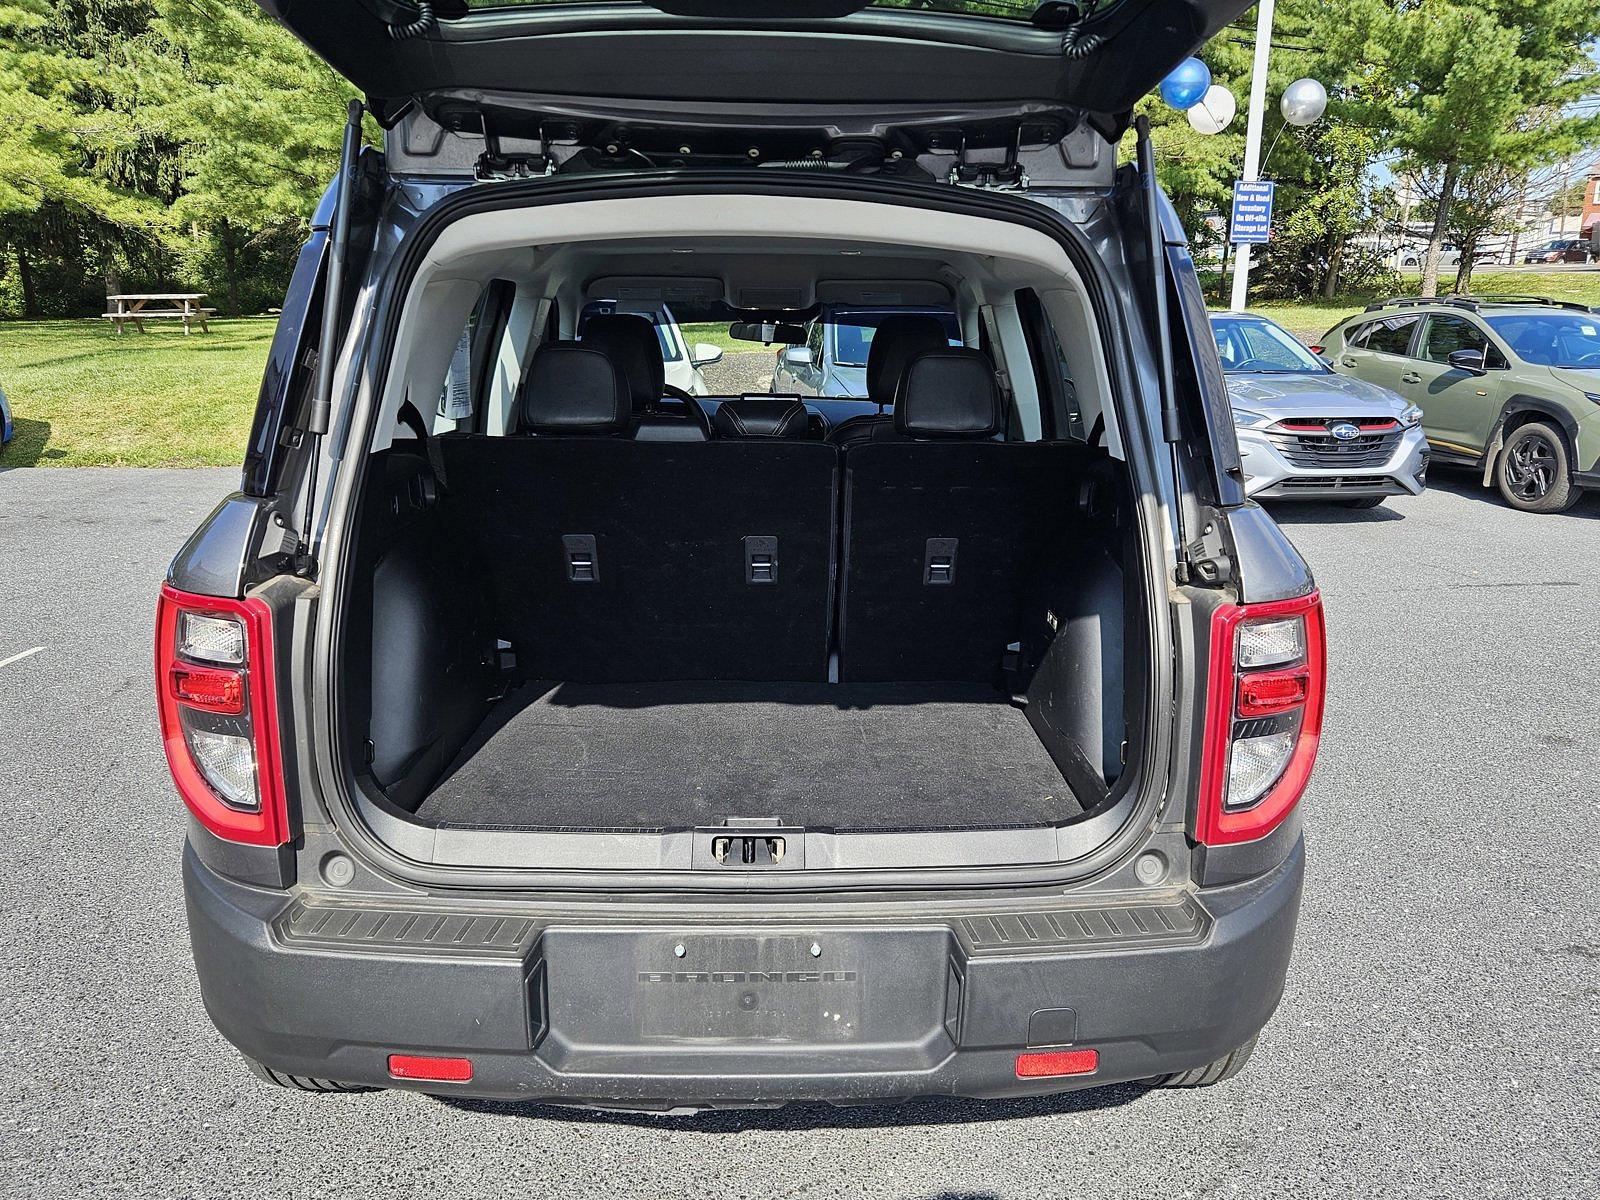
[
  {"x": 631, "y": 342},
  {"x": 762, "y": 417},
  {"x": 895, "y": 342}
]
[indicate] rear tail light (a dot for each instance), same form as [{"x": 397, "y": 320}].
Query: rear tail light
[
  {"x": 214, "y": 672},
  {"x": 1264, "y": 716},
  {"x": 1316, "y": 349}
]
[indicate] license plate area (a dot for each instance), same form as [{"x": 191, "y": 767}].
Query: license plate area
[{"x": 783, "y": 1000}]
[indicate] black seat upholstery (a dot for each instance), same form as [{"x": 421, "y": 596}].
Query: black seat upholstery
[
  {"x": 762, "y": 417},
  {"x": 950, "y": 393},
  {"x": 943, "y": 526},
  {"x": 631, "y": 342},
  {"x": 575, "y": 391},
  {"x": 895, "y": 342}
]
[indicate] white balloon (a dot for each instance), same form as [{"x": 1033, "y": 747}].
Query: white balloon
[
  {"x": 1304, "y": 102},
  {"x": 1215, "y": 112}
]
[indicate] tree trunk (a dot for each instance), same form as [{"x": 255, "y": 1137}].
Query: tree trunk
[
  {"x": 1441, "y": 222},
  {"x": 30, "y": 296},
  {"x": 230, "y": 265},
  {"x": 1330, "y": 278},
  {"x": 1469, "y": 249}
]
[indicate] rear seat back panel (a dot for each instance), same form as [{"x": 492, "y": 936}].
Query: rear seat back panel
[
  {"x": 669, "y": 594},
  {"x": 939, "y": 542}
]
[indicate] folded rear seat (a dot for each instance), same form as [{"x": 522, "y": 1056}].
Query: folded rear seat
[
  {"x": 619, "y": 560},
  {"x": 942, "y": 527}
]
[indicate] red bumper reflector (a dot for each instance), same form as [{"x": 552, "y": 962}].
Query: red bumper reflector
[
  {"x": 214, "y": 689},
  {"x": 433, "y": 1070},
  {"x": 1267, "y": 693},
  {"x": 1041, "y": 1063}
]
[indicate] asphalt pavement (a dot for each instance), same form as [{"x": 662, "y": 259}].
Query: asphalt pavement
[{"x": 1440, "y": 1035}]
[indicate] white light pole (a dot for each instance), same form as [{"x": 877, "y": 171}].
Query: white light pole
[{"x": 1252, "y": 139}]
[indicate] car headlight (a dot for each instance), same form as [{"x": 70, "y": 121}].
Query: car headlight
[
  {"x": 1412, "y": 416},
  {"x": 1595, "y": 396},
  {"x": 1245, "y": 419}
]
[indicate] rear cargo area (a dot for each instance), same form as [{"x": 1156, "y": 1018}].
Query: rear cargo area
[
  {"x": 660, "y": 677},
  {"x": 657, "y": 756}
]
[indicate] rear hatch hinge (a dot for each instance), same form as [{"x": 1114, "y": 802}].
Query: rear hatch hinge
[
  {"x": 993, "y": 169},
  {"x": 494, "y": 165}
]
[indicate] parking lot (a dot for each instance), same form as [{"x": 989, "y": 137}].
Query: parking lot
[{"x": 1440, "y": 1034}]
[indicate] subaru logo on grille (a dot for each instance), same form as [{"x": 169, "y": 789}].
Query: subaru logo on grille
[{"x": 1344, "y": 431}]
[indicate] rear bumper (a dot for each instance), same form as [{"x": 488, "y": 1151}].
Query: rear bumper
[
  {"x": 1269, "y": 475},
  {"x": 606, "y": 1012}
]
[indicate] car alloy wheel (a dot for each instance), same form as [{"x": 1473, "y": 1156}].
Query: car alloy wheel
[
  {"x": 1532, "y": 472},
  {"x": 1531, "y": 468}
]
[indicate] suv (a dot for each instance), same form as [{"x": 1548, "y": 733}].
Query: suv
[
  {"x": 591, "y": 743},
  {"x": 1509, "y": 385}
]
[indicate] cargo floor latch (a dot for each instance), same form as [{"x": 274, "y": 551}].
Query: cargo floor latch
[
  {"x": 747, "y": 850},
  {"x": 760, "y": 559}
]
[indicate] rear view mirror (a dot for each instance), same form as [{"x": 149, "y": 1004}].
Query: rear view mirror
[
  {"x": 1467, "y": 360},
  {"x": 767, "y": 332},
  {"x": 796, "y": 356},
  {"x": 704, "y": 354}
]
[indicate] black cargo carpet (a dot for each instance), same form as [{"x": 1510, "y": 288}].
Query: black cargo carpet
[{"x": 672, "y": 755}]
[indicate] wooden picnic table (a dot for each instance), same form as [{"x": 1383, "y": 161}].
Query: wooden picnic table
[{"x": 133, "y": 308}]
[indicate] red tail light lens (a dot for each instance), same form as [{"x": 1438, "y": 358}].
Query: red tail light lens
[
  {"x": 211, "y": 688},
  {"x": 1264, "y": 719},
  {"x": 218, "y": 707},
  {"x": 1316, "y": 349}
]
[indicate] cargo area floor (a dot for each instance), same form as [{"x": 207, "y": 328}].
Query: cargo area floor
[{"x": 669, "y": 755}]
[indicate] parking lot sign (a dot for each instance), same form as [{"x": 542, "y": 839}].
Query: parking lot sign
[{"x": 1252, "y": 213}]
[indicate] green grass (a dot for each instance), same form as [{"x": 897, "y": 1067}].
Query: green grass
[
  {"x": 1309, "y": 320},
  {"x": 82, "y": 396}
]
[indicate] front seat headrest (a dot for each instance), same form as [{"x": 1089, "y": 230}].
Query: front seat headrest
[
  {"x": 762, "y": 417},
  {"x": 576, "y": 390},
  {"x": 949, "y": 393},
  {"x": 631, "y": 340},
  {"x": 895, "y": 342}
]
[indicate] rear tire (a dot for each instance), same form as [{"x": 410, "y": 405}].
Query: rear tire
[
  {"x": 1363, "y": 501},
  {"x": 1533, "y": 473},
  {"x": 301, "y": 1083},
  {"x": 1224, "y": 1068}
]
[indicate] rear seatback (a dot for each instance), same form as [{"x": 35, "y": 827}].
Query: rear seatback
[
  {"x": 619, "y": 560},
  {"x": 943, "y": 526}
]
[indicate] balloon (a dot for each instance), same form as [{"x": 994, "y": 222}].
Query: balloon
[
  {"x": 1187, "y": 84},
  {"x": 1215, "y": 112},
  {"x": 1304, "y": 102}
]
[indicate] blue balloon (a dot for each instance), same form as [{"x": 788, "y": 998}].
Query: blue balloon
[{"x": 1187, "y": 84}]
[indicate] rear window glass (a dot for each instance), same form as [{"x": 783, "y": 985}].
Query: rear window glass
[{"x": 1390, "y": 336}]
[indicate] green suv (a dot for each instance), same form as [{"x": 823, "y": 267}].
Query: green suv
[{"x": 1509, "y": 384}]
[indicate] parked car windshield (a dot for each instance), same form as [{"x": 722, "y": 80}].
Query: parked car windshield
[
  {"x": 1252, "y": 346},
  {"x": 1552, "y": 339},
  {"x": 852, "y": 332}
]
